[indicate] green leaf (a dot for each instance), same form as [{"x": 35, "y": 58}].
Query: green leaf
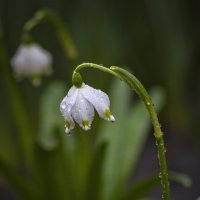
[
  {"x": 55, "y": 170},
  {"x": 8, "y": 149},
  {"x": 144, "y": 187},
  {"x": 50, "y": 117},
  {"x": 55, "y": 152},
  {"x": 181, "y": 178},
  {"x": 94, "y": 178},
  {"x": 125, "y": 139},
  {"x": 137, "y": 127},
  {"x": 22, "y": 186},
  {"x": 112, "y": 135}
]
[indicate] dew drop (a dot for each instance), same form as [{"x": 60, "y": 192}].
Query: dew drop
[
  {"x": 68, "y": 134},
  {"x": 63, "y": 105}
]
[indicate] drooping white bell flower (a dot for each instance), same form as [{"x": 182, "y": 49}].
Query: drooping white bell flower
[
  {"x": 78, "y": 105},
  {"x": 31, "y": 60}
]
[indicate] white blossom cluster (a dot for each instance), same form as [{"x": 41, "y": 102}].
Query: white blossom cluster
[
  {"x": 79, "y": 105},
  {"x": 32, "y": 61}
]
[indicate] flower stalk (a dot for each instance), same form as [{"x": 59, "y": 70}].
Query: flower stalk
[
  {"x": 137, "y": 86},
  {"x": 53, "y": 19},
  {"x": 22, "y": 122}
]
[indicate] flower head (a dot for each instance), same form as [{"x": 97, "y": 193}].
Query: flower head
[
  {"x": 31, "y": 60},
  {"x": 79, "y": 104}
]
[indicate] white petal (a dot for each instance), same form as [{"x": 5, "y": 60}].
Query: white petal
[
  {"x": 66, "y": 106},
  {"x": 69, "y": 125},
  {"x": 83, "y": 112},
  {"x": 31, "y": 59},
  {"x": 99, "y": 100},
  {"x": 72, "y": 91}
]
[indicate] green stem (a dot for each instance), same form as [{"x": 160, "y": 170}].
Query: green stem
[
  {"x": 26, "y": 134},
  {"x": 136, "y": 85},
  {"x": 17, "y": 106},
  {"x": 163, "y": 168},
  {"x": 52, "y": 18},
  {"x": 100, "y": 67}
]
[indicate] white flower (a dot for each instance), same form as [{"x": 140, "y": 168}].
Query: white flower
[
  {"x": 79, "y": 106},
  {"x": 32, "y": 61}
]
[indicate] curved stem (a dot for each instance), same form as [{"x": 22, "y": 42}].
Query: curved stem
[
  {"x": 136, "y": 85},
  {"x": 52, "y": 18},
  {"x": 17, "y": 106},
  {"x": 96, "y": 66}
]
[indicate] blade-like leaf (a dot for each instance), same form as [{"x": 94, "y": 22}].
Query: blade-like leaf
[
  {"x": 55, "y": 170},
  {"x": 112, "y": 134},
  {"x": 55, "y": 155},
  {"x": 50, "y": 117},
  {"x": 8, "y": 150},
  {"x": 23, "y": 187},
  {"x": 137, "y": 127},
  {"x": 144, "y": 187},
  {"x": 125, "y": 139},
  {"x": 94, "y": 177},
  {"x": 181, "y": 178}
]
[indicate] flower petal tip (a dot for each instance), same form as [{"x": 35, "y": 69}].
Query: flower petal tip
[
  {"x": 112, "y": 119},
  {"x": 67, "y": 131},
  {"x": 86, "y": 128},
  {"x": 86, "y": 125},
  {"x": 108, "y": 116},
  {"x": 68, "y": 128}
]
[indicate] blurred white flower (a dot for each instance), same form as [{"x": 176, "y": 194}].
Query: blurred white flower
[
  {"x": 32, "y": 61},
  {"x": 79, "y": 105}
]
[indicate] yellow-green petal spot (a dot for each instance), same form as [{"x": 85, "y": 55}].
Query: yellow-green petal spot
[
  {"x": 86, "y": 125},
  {"x": 67, "y": 124},
  {"x": 108, "y": 115},
  {"x": 67, "y": 127}
]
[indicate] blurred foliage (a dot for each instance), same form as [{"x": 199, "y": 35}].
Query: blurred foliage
[{"x": 158, "y": 40}]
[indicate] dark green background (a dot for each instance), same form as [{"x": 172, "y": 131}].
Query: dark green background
[{"x": 158, "y": 40}]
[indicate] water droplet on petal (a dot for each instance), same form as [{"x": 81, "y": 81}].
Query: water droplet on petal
[
  {"x": 67, "y": 131},
  {"x": 86, "y": 128},
  {"x": 68, "y": 134},
  {"x": 63, "y": 105},
  {"x": 112, "y": 119}
]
